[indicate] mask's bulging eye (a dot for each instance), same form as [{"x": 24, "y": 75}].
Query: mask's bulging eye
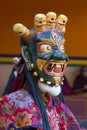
[
  {"x": 44, "y": 48},
  {"x": 61, "y": 48}
]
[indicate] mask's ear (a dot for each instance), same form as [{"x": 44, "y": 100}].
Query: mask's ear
[{"x": 26, "y": 56}]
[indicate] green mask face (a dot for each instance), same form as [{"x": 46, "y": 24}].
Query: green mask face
[{"x": 46, "y": 53}]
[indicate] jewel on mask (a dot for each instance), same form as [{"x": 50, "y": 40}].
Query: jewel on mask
[
  {"x": 61, "y": 83},
  {"x": 35, "y": 74},
  {"x": 41, "y": 80},
  {"x": 32, "y": 65},
  {"x": 57, "y": 85},
  {"x": 48, "y": 82}
]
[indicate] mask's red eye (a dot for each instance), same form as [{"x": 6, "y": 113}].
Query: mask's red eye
[{"x": 44, "y": 48}]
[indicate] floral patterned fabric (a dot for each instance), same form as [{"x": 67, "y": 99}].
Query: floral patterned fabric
[{"x": 19, "y": 109}]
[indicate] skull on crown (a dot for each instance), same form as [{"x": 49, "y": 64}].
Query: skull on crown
[
  {"x": 61, "y": 22},
  {"x": 51, "y": 19},
  {"x": 20, "y": 29},
  {"x": 40, "y": 22}
]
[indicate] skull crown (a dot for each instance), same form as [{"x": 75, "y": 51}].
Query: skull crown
[
  {"x": 41, "y": 22},
  {"x": 50, "y": 20}
]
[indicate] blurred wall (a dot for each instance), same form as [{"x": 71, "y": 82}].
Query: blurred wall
[
  {"x": 5, "y": 71},
  {"x": 23, "y": 11}
]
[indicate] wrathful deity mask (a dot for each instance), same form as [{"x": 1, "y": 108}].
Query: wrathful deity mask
[
  {"x": 44, "y": 52},
  {"x": 47, "y": 57}
]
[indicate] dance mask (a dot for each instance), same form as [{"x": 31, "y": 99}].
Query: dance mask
[{"x": 43, "y": 51}]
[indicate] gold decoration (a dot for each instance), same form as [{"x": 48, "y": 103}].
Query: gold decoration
[
  {"x": 48, "y": 82},
  {"x": 57, "y": 80},
  {"x": 35, "y": 74},
  {"x": 57, "y": 84},
  {"x": 41, "y": 79},
  {"x": 22, "y": 122},
  {"x": 62, "y": 83},
  {"x": 32, "y": 65},
  {"x": 40, "y": 63},
  {"x": 44, "y": 98}
]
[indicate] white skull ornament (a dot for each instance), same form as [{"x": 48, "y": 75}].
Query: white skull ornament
[
  {"x": 51, "y": 19},
  {"x": 20, "y": 29},
  {"x": 40, "y": 22},
  {"x": 61, "y": 22}
]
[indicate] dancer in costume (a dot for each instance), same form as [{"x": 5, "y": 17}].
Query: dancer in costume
[{"x": 36, "y": 105}]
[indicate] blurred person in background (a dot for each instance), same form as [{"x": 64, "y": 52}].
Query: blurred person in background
[
  {"x": 66, "y": 88},
  {"x": 80, "y": 82},
  {"x": 16, "y": 61},
  {"x": 12, "y": 76}
]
